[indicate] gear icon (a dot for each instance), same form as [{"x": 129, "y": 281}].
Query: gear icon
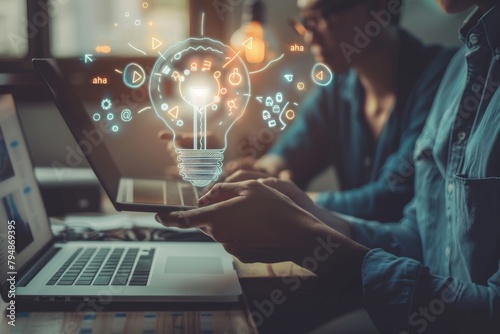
[{"x": 106, "y": 104}]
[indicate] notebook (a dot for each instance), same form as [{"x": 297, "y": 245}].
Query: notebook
[
  {"x": 35, "y": 268},
  {"x": 126, "y": 193}
]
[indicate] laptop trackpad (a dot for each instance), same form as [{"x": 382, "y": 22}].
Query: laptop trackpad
[{"x": 193, "y": 265}]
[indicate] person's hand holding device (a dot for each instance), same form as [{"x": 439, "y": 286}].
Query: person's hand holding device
[{"x": 257, "y": 223}]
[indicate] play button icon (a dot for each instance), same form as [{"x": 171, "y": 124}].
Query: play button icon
[
  {"x": 321, "y": 75},
  {"x": 137, "y": 77},
  {"x": 134, "y": 76}
]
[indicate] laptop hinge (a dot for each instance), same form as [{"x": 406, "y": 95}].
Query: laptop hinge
[{"x": 33, "y": 271}]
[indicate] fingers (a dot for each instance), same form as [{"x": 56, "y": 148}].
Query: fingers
[
  {"x": 220, "y": 192},
  {"x": 277, "y": 184},
  {"x": 207, "y": 217},
  {"x": 199, "y": 218},
  {"x": 244, "y": 175}
]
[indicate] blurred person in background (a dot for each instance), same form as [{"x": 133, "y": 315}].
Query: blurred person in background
[
  {"x": 438, "y": 269},
  {"x": 365, "y": 123}
]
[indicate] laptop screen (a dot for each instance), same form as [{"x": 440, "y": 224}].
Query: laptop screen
[
  {"x": 24, "y": 223},
  {"x": 105, "y": 138}
]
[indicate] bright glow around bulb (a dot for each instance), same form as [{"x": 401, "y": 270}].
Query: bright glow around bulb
[
  {"x": 200, "y": 87},
  {"x": 199, "y": 96}
]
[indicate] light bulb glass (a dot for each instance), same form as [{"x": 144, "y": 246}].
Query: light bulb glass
[{"x": 200, "y": 86}]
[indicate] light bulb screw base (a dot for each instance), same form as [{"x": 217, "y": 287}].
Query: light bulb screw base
[{"x": 200, "y": 167}]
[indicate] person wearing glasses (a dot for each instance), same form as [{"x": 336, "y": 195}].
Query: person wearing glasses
[
  {"x": 366, "y": 121},
  {"x": 438, "y": 269}
]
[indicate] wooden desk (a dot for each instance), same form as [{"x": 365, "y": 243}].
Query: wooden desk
[{"x": 260, "y": 283}]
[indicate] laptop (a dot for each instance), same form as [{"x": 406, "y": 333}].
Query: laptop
[
  {"x": 69, "y": 80},
  {"x": 45, "y": 270}
]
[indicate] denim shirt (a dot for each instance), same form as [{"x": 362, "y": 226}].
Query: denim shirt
[
  {"x": 331, "y": 130},
  {"x": 439, "y": 270}
]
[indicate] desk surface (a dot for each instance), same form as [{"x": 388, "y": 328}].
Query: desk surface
[{"x": 259, "y": 281}]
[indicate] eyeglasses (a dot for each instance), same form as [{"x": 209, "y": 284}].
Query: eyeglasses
[{"x": 311, "y": 22}]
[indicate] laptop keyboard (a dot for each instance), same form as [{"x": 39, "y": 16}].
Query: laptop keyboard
[{"x": 92, "y": 266}]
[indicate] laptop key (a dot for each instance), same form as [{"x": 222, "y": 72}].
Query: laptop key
[
  {"x": 102, "y": 280},
  {"x": 138, "y": 283},
  {"x": 83, "y": 282},
  {"x": 120, "y": 281},
  {"x": 66, "y": 282}
]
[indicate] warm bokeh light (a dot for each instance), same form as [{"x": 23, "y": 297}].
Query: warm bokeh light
[{"x": 249, "y": 39}]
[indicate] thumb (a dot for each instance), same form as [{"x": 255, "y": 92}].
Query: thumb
[{"x": 220, "y": 192}]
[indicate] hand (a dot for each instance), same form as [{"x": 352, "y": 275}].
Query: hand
[
  {"x": 259, "y": 224},
  {"x": 305, "y": 201},
  {"x": 269, "y": 164}
]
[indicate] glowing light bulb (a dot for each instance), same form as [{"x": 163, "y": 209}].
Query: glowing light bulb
[
  {"x": 199, "y": 97},
  {"x": 199, "y": 86}
]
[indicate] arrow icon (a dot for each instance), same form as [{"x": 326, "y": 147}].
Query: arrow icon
[
  {"x": 248, "y": 43},
  {"x": 156, "y": 43},
  {"x": 289, "y": 77},
  {"x": 88, "y": 58},
  {"x": 320, "y": 75},
  {"x": 136, "y": 77},
  {"x": 174, "y": 112}
]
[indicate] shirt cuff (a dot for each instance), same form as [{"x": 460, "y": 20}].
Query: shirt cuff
[{"x": 389, "y": 283}]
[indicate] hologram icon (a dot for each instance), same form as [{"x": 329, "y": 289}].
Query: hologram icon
[{"x": 203, "y": 101}]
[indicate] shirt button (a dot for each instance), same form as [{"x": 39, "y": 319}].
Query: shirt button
[
  {"x": 462, "y": 135},
  {"x": 447, "y": 251},
  {"x": 451, "y": 187},
  {"x": 476, "y": 88},
  {"x": 474, "y": 39}
]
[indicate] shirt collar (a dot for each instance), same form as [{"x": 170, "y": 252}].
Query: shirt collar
[{"x": 485, "y": 26}]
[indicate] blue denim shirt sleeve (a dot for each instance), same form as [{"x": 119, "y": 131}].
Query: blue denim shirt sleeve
[{"x": 402, "y": 296}]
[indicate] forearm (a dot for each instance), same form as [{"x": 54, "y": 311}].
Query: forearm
[{"x": 335, "y": 221}]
